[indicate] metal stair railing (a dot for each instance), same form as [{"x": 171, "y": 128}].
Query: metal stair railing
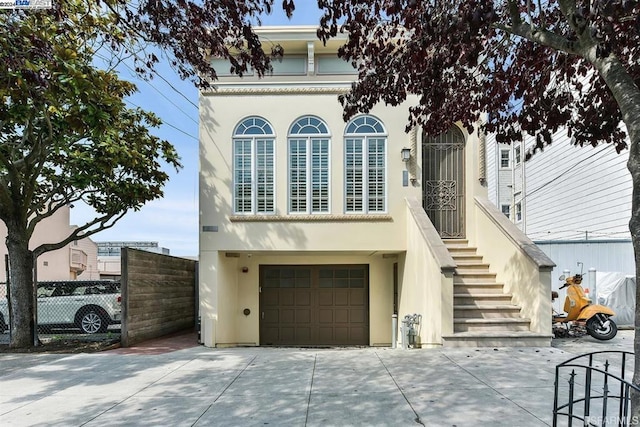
[{"x": 590, "y": 403}]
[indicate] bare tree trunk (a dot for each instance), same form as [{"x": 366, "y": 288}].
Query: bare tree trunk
[
  {"x": 21, "y": 283},
  {"x": 634, "y": 228}
]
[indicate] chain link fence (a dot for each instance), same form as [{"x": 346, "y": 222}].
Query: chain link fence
[{"x": 72, "y": 310}]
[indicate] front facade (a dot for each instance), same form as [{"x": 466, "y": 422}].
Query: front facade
[{"x": 314, "y": 231}]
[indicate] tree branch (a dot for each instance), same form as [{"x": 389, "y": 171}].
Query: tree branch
[{"x": 81, "y": 232}]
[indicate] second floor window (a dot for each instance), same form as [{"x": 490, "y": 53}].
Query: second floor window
[
  {"x": 365, "y": 166},
  {"x": 253, "y": 167},
  {"x": 309, "y": 166},
  {"x": 504, "y": 158}
]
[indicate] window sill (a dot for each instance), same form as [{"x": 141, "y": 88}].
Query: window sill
[{"x": 312, "y": 218}]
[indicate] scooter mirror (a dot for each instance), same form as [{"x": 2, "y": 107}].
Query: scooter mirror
[{"x": 562, "y": 277}]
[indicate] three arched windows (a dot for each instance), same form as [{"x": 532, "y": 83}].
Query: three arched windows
[{"x": 309, "y": 166}]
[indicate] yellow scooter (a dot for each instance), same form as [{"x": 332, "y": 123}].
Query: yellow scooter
[{"x": 582, "y": 314}]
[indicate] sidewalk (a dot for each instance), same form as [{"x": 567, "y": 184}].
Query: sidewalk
[{"x": 199, "y": 386}]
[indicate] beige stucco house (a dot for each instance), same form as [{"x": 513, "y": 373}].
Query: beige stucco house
[
  {"x": 314, "y": 231},
  {"x": 78, "y": 260}
]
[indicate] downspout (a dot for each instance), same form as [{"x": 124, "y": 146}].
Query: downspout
[
  {"x": 482, "y": 166},
  {"x": 413, "y": 160}
]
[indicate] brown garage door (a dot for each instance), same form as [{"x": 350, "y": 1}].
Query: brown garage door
[{"x": 314, "y": 305}]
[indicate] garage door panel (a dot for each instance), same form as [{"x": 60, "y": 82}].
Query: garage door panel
[
  {"x": 325, "y": 316},
  {"x": 271, "y": 298},
  {"x": 357, "y": 316},
  {"x": 341, "y": 335},
  {"x": 303, "y": 335},
  {"x": 314, "y": 305},
  {"x": 357, "y": 297},
  {"x": 357, "y": 334},
  {"x": 287, "y": 334},
  {"x": 271, "y": 316},
  {"x": 303, "y": 297},
  {"x": 303, "y": 316},
  {"x": 341, "y": 297},
  {"x": 325, "y": 297},
  {"x": 287, "y": 297},
  {"x": 271, "y": 335},
  {"x": 325, "y": 334},
  {"x": 341, "y": 315},
  {"x": 287, "y": 316}
]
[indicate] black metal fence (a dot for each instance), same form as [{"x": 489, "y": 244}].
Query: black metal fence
[
  {"x": 594, "y": 389},
  {"x": 71, "y": 310}
]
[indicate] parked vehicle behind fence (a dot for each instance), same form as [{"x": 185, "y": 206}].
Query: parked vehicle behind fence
[{"x": 90, "y": 306}]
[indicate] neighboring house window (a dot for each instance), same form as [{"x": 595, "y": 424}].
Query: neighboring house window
[
  {"x": 309, "y": 166},
  {"x": 504, "y": 158},
  {"x": 518, "y": 212},
  {"x": 516, "y": 154},
  {"x": 506, "y": 209},
  {"x": 253, "y": 167},
  {"x": 365, "y": 166}
]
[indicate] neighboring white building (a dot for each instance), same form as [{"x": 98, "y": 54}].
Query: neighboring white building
[{"x": 575, "y": 202}]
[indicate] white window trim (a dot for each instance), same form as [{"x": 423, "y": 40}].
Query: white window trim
[
  {"x": 309, "y": 154},
  {"x": 253, "y": 140},
  {"x": 508, "y": 158},
  {"x": 254, "y": 181},
  {"x": 517, "y": 155},
  {"x": 365, "y": 152}
]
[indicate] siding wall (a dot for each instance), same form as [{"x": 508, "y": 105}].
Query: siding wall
[
  {"x": 158, "y": 295},
  {"x": 570, "y": 193},
  {"x": 573, "y": 192}
]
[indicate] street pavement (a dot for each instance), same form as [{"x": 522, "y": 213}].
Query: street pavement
[{"x": 199, "y": 386}]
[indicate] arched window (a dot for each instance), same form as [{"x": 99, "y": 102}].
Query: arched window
[
  {"x": 309, "y": 142},
  {"x": 365, "y": 165},
  {"x": 253, "y": 167}
]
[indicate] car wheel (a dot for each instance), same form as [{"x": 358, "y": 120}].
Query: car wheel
[{"x": 93, "y": 321}]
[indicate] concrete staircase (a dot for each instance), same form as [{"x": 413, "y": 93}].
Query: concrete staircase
[{"x": 483, "y": 314}]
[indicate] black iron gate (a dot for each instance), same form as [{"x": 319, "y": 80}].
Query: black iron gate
[
  {"x": 443, "y": 182},
  {"x": 597, "y": 390}
]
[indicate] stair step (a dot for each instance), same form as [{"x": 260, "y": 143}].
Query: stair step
[
  {"x": 467, "y": 279},
  {"x": 470, "y": 269},
  {"x": 501, "y": 324},
  {"x": 498, "y": 339},
  {"x": 462, "y": 251},
  {"x": 486, "y": 311},
  {"x": 477, "y": 288},
  {"x": 469, "y": 262},
  {"x": 481, "y": 298},
  {"x": 456, "y": 243}
]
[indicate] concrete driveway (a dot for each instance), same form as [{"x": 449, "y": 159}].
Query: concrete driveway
[{"x": 198, "y": 386}]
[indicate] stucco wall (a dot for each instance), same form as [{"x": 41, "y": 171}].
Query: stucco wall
[
  {"x": 222, "y": 280},
  {"x": 158, "y": 295},
  {"x": 526, "y": 276}
]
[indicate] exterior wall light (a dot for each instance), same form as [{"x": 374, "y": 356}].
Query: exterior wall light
[{"x": 406, "y": 154}]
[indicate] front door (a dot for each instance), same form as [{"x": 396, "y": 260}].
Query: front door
[{"x": 443, "y": 182}]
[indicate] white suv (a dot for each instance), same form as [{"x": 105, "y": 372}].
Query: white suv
[{"x": 90, "y": 306}]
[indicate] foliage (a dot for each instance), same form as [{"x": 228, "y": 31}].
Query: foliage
[
  {"x": 65, "y": 132},
  {"x": 529, "y": 64}
]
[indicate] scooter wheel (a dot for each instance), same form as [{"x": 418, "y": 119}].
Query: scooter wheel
[{"x": 597, "y": 328}]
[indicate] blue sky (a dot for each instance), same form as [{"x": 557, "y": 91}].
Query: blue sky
[{"x": 173, "y": 220}]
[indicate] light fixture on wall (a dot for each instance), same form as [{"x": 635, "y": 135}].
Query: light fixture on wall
[{"x": 406, "y": 154}]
